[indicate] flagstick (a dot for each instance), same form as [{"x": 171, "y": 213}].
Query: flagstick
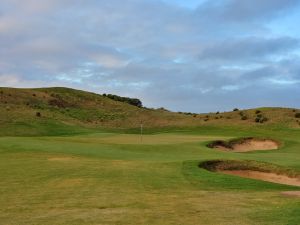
[{"x": 141, "y": 132}]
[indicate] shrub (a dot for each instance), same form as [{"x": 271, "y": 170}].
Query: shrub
[
  {"x": 131, "y": 101},
  {"x": 244, "y": 117},
  {"x": 261, "y": 119},
  {"x": 257, "y": 111},
  {"x": 38, "y": 114},
  {"x": 297, "y": 115},
  {"x": 235, "y": 109},
  {"x": 259, "y": 116},
  {"x": 217, "y": 112}
]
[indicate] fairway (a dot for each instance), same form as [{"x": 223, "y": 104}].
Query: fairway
[{"x": 111, "y": 178}]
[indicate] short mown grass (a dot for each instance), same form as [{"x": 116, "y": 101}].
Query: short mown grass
[{"x": 117, "y": 178}]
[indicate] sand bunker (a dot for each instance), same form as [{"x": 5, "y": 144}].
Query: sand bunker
[
  {"x": 270, "y": 177},
  {"x": 291, "y": 193},
  {"x": 245, "y": 144},
  {"x": 254, "y": 170}
]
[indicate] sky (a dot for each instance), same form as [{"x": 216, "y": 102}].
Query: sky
[{"x": 196, "y": 56}]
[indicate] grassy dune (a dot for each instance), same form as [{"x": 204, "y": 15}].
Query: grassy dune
[{"x": 64, "y": 111}]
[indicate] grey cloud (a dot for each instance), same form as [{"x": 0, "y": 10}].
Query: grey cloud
[
  {"x": 149, "y": 49},
  {"x": 248, "y": 48},
  {"x": 245, "y": 11}
]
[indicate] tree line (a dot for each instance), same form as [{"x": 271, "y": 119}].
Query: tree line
[{"x": 132, "y": 101}]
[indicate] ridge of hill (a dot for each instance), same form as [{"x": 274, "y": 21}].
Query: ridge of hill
[{"x": 59, "y": 110}]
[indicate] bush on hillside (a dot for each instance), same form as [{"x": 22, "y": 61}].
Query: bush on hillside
[
  {"x": 236, "y": 109},
  {"x": 297, "y": 115},
  {"x": 131, "y": 101},
  {"x": 244, "y": 117},
  {"x": 261, "y": 119}
]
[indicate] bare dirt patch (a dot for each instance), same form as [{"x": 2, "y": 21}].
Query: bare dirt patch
[
  {"x": 245, "y": 144},
  {"x": 254, "y": 170},
  {"x": 66, "y": 183},
  {"x": 61, "y": 159}
]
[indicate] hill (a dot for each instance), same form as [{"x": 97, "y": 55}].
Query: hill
[{"x": 58, "y": 110}]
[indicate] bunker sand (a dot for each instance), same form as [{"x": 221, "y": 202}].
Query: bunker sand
[
  {"x": 270, "y": 177},
  {"x": 245, "y": 145}
]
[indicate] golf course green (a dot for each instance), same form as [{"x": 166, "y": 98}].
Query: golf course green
[{"x": 118, "y": 178}]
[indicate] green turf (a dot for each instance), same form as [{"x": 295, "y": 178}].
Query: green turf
[{"x": 113, "y": 178}]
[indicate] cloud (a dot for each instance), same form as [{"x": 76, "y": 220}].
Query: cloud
[
  {"x": 245, "y": 11},
  {"x": 249, "y": 48},
  {"x": 196, "y": 56}
]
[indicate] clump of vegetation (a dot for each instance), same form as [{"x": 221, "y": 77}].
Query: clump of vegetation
[
  {"x": 38, "y": 114},
  {"x": 60, "y": 103},
  {"x": 131, "y": 101},
  {"x": 235, "y": 109},
  {"x": 297, "y": 115},
  {"x": 257, "y": 112},
  {"x": 261, "y": 119},
  {"x": 244, "y": 117}
]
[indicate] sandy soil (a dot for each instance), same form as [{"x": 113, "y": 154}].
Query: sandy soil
[
  {"x": 291, "y": 193},
  {"x": 251, "y": 145},
  {"x": 270, "y": 177},
  {"x": 61, "y": 159}
]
